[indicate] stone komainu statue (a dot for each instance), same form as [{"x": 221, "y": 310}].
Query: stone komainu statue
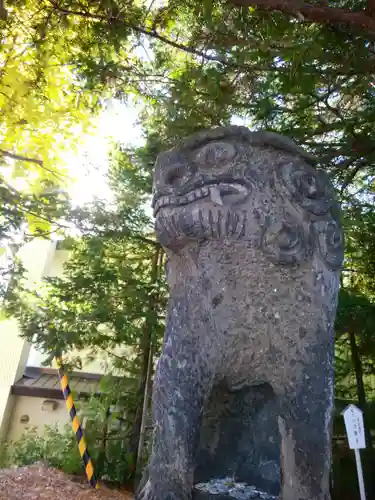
[{"x": 244, "y": 385}]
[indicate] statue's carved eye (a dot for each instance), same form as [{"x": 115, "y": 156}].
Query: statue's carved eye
[
  {"x": 308, "y": 188},
  {"x": 286, "y": 242},
  {"x": 215, "y": 154}
]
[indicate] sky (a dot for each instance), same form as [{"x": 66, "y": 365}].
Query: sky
[{"x": 90, "y": 163}]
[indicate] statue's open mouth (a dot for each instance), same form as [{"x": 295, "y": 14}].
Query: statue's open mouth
[{"x": 220, "y": 193}]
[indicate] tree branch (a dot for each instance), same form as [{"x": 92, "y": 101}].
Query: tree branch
[
  {"x": 350, "y": 177},
  {"x": 154, "y": 34},
  {"x": 139, "y": 29},
  {"x": 120, "y": 232},
  {"x": 145, "y": 240},
  {"x": 8, "y": 154},
  {"x": 370, "y": 7},
  {"x": 314, "y": 13},
  {"x": 286, "y": 7},
  {"x": 40, "y": 163}
]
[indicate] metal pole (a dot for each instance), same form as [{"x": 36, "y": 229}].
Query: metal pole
[
  {"x": 82, "y": 446},
  {"x": 360, "y": 474}
]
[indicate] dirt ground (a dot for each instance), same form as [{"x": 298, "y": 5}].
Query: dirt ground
[{"x": 40, "y": 482}]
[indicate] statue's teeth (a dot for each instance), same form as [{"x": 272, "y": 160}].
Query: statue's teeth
[{"x": 215, "y": 195}]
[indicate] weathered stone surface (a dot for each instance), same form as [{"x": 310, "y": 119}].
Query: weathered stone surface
[
  {"x": 227, "y": 489},
  {"x": 244, "y": 386}
]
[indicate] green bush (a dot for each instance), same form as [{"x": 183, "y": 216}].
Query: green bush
[
  {"x": 106, "y": 435},
  {"x": 4, "y": 455},
  {"x": 56, "y": 447}
]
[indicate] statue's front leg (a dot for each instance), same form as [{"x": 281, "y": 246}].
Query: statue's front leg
[
  {"x": 182, "y": 383},
  {"x": 305, "y": 426}
]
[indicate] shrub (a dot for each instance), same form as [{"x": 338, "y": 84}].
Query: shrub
[
  {"x": 106, "y": 435},
  {"x": 54, "y": 446}
]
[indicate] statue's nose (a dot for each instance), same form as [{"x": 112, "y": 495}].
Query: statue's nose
[{"x": 172, "y": 170}]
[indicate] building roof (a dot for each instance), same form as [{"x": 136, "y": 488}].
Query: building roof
[{"x": 44, "y": 383}]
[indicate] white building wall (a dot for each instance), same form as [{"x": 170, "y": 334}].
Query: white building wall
[
  {"x": 14, "y": 353},
  {"x": 30, "y": 412}
]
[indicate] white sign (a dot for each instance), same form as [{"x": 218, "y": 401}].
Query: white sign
[{"x": 355, "y": 429}]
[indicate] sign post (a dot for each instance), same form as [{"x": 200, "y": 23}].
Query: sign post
[{"x": 355, "y": 430}]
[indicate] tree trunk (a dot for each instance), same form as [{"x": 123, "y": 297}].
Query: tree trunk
[
  {"x": 361, "y": 393},
  {"x": 100, "y": 463},
  {"x": 146, "y": 398},
  {"x": 146, "y": 346}
]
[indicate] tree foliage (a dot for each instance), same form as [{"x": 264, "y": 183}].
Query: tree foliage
[
  {"x": 45, "y": 106},
  {"x": 356, "y": 316}
]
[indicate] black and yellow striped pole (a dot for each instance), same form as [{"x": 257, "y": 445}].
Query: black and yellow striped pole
[{"x": 82, "y": 446}]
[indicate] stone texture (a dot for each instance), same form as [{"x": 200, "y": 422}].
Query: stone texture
[
  {"x": 244, "y": 386},
  {"x": 227, "y": 489}
]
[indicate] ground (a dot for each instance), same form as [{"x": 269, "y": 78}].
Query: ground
[{"x": 39, "y": 482}]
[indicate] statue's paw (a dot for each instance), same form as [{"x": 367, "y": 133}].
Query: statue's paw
[{"x": 158, "y": 492}]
